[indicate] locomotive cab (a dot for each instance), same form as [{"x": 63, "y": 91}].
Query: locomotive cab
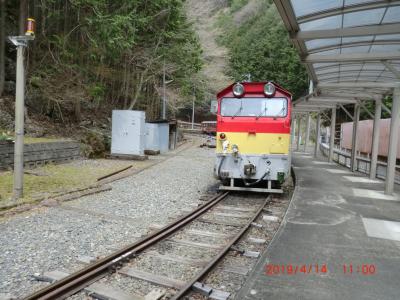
[{"x": 253, "y": 137}]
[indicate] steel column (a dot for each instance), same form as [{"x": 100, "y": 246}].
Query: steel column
[
  {"x": 298, "y": 132},
  {"x": 393, "y": 139},
  {"x": 332, "y": 137},
  {"x": 375, "y": 139},
  {"x": 293, "y": 131},
  {"x": 317, "y": 135},
  {"x": 356, "y": 118},
  {"x": 308, "y": 116}
]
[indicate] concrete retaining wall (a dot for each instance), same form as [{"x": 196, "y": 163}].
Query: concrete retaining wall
[{"x": 40, "y": 153}]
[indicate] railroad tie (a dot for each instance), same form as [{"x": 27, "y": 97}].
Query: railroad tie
[
  {"x": 220, "y": 222},
  {"x": 99, "y": 290},
  {"x": 239, "y": 270},
  {"x": 152, "y": 278},
  {"x": 246, "y": 253},
  {"x": 195, "y": 244},
  {"x": 232, "y": 215},
  {"x": 208, "y": 233},
  {"x": 255, "y": 240},
  {"x": 267, "y": 218},
  {"x": 235, "y": 208},
  {"x": 178, "y": 259}
]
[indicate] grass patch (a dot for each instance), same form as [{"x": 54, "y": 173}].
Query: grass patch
[
  {"x": 55, "y": 179},
  {"x": 9, "y": 135},
  {"x": 33, "y": 140}
]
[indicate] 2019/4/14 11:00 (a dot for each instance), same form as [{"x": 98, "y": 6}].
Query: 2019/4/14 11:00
[{"x": 291, "y": 269}]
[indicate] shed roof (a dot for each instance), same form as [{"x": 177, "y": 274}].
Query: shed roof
[{"x": 351, "y": 48}]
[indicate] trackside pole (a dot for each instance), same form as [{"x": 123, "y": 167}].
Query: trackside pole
[
  {"x": 21, "y": 42},
  {"x": 375, "y": 139},
  {"x": 164, "y": 100},
  {"x": 193, "y": 111},
  {"x": 19, "y": 125}
]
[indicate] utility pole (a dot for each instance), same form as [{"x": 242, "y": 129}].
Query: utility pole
[
  {"x": 21, "y": 42},
  {"x": 194, "y": 97},
  {"x": 164, "y": 97}
]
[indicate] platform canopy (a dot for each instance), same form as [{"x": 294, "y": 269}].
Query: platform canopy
[{"x": 351, "y": 48}]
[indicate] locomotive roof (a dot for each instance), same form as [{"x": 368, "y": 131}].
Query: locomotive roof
[{"x": 260, "y": 84}]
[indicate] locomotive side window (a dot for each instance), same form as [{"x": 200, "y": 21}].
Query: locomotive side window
[{"x": 254, "y": 107}]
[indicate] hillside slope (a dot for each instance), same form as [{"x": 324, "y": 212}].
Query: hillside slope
[{"x": 204, "y": 15}]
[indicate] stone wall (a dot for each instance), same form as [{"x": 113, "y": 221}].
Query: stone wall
[{"x": 39, "y": 154}]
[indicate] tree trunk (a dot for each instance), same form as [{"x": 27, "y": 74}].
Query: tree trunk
[
  {"x": 78, "y": 115},
  {"x": 138, "y": 89},
  {"x": 23, "y": 7},
  {"x": 2, "y": 43}
]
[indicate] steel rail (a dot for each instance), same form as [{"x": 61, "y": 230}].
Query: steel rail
[
  {"x": 220, "y": 255},
  {"x": 77, "y": 281}
]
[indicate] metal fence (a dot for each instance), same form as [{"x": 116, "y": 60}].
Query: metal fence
[
  {"x": 343, "y": 158},
  {"x": 188, "y": 125}
]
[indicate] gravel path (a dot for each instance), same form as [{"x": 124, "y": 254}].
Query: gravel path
[{"x": 53, "y": 238}]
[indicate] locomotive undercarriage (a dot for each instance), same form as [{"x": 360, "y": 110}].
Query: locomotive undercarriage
[{"x": 257, "y": 173}]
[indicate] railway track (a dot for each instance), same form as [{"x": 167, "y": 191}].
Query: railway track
[{"x": 232, "y": 220}]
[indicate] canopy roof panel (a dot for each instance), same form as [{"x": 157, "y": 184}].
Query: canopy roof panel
[{"x": 346, "y": 42}]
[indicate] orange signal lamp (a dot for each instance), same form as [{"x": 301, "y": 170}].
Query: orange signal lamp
[{"x": 30, "y": 26}]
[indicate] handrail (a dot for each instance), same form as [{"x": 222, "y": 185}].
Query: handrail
[{"x": 363, "y": 163}]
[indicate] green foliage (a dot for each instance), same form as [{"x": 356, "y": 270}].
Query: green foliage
[
  {"x": 97, "y": 92},
  {"x": 260, "y": 47},
  {"x": 5, "y": 136},
  {"x": 108, "y": 51},
  {"x": 94, "y": 145},
  {"x": 235, "y": 5},
  {"x": 370, "y": 105}
]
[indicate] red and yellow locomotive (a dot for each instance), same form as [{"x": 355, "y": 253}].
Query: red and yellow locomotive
[{"x": 253, "y": 136}]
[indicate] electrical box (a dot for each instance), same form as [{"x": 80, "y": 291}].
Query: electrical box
[
  {"x": 164, "y": 137},
  {"x": 128, "y": 132},
  {"x": 157, "y": 136},
  {"x": 152, "y": 137}
]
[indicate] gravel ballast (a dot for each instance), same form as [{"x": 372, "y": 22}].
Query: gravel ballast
[{"x": 53, "y": 238}]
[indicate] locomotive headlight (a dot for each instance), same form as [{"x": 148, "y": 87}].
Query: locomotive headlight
[
  {"x": 235, "y": 148},
  {"x": 222, "y": 136},
  {"x": 238, "y": 90},
  {"x": 269, "y": 89}
]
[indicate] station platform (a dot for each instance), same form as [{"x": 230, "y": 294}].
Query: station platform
[{"x": 338, "y": 219}]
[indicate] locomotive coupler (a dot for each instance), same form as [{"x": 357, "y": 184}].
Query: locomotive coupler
[{"x": 249, "y": 169}]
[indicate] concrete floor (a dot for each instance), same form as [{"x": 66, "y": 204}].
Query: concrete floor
[{"x": 336, "y": 218}]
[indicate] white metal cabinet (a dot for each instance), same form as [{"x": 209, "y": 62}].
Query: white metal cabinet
[{"x": 128, "y": 132}]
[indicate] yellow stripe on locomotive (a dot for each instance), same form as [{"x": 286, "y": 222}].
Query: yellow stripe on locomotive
[{"x": 257, "y": 143}]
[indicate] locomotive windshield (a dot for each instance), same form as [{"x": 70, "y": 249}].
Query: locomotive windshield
[{"x": 254, "y": 107}]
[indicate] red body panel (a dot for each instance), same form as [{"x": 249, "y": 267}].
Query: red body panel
[{"x": 251, "y": 124}]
